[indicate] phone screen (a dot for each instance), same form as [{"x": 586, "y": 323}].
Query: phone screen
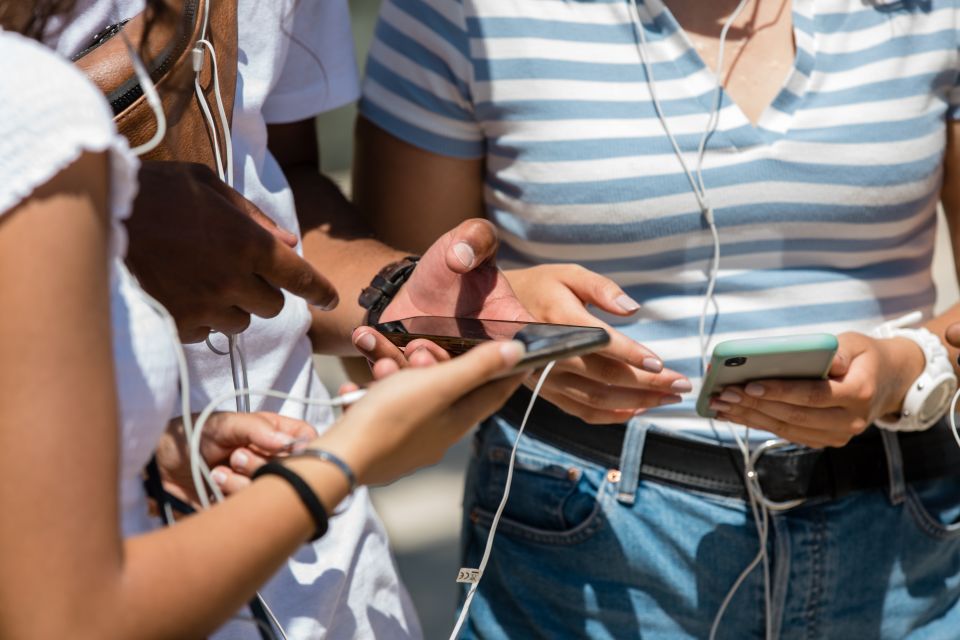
[{"x": 458, "y": 335}]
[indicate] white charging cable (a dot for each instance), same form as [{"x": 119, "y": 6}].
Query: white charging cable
[
  {"x": 758, "y": 504},
  {"x": 473, "y": 576}
]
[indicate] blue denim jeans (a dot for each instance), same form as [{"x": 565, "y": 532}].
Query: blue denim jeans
[{"x": 573, "y": 558}]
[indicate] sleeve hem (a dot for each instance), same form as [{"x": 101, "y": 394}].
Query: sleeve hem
[{"x": 421, "y": 138}]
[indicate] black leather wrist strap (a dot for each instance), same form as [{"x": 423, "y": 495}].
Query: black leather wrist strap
[
  {"x": 384, "y": 287},
  {"x": 305, "y": 493}
]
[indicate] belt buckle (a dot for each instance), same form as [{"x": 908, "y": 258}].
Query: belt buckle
[{"x": 753, "y": 476}]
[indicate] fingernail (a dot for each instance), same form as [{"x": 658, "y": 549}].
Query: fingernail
[
  {"x": 716, "y": 405},
  {"x": 670, "y": 400},
  {"x": 730, "y": 396},
  {"x": 653, "y": 365},
  {"x": 239, "y": 459},
  {"x": 465, "y": 254},
  {"x": 681, "y": 386},
  {"x": 754, "y": 389},
  {"x": 219, "y": 477},
  {"x": 627, "y": 303},
  {"x": 366, "y": 342},
  {"x": 512, "y": 351},
  {"x": 282, "y": 439}
]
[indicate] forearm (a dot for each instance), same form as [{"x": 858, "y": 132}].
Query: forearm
[
  {"x": 340, "y": 246},
  {"x": 207, "y": 567}
]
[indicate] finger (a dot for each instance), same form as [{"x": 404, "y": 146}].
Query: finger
[
  {"x": 245, "y": 462},
  {"x": 271, "y": 433},
  {"x": 347, "y": 387},
  {"x": 840, "y": 364},
  {"x": 620, "y": 347},
  {"x": 953, "y": 334},
  {"x": 229, "y": 481},
  {"x": 384, "y": 368},
  {"x": 283, "y": 268},
  {"x": 296, "y": 429},
  {"x": 259, "y": 298},
  {"x": 374, "y": 346},
  {"x": 472, "y": 243},
  {"x": 438, "y": 353},
  {"x": 605, "y": 396},
  {"x": 590, "y": 415},
  {"x": 600, "y": 291},
  {"x": 799, "y": 435},
  {"x": 817, "y": 419},
  {"x": 192, "y": 335},
  {"x": 607, "y": 370},
  {"x": 229, "y": 320},
  {"x": 805, "y": 393},
  {"x": 251, "y": 210},
  {"x": 422, "y": 358}
]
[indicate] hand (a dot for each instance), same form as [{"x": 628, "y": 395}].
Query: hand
[
  {"x": 457, "y": 276},
  {"x": 611, "y": 385},
  {"x": 210, "y": 256},
  {"x": 233, "y": 445},
  {"x": 410, "y": 419},
  {"x": 868, "y": 379}
]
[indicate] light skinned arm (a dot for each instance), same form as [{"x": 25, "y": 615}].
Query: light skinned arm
[
  {"x": 869, "y": 378},
  {"x": 410, "y": 196},
  {"x": 66, "y": 571}
]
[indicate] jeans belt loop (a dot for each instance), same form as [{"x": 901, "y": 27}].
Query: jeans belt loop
[
  {"x": 896, "y": 482},
  {"x": 631, "y": 457}
]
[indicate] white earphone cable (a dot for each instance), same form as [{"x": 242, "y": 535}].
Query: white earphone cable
[{"x": 758, "y": 504}]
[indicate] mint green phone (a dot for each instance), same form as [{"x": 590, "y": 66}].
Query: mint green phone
[{"x": 740, "y": 361}]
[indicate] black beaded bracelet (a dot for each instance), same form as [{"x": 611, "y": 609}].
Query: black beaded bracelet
[{"x": 306, "y": 494}]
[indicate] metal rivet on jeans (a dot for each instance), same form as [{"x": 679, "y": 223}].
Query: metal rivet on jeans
[{"x": 613, "y": 476}]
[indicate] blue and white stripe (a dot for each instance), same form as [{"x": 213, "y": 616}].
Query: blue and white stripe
[{"x": 825, "y": 207}]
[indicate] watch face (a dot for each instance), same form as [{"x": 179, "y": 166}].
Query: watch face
[{"x": 936, "y": 401}]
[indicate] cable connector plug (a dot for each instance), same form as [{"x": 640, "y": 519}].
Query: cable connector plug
[{"x": 196, "y": 59}]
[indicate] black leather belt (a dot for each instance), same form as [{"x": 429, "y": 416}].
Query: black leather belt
[{"x": 784, "y": 474}]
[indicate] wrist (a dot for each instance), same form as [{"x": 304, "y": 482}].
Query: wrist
[
  {"x": 327, "y": 482},
  {"x": 905, "y": 359}
]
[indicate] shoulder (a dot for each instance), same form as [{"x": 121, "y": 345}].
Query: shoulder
[{"x": 49, "y": 115}]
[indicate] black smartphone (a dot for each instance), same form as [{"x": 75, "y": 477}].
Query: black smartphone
[{"x": 544, "y": 342}]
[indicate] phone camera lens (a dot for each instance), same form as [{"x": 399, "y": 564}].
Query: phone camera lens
[{"x": 734, "y": 362}]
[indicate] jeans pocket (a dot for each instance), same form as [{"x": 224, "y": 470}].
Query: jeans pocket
[
  {"x": 935, "y": 506},
  {"x": 554, "y": 498}
]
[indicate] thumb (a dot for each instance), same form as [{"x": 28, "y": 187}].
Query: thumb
[
  {"x": 472, "y": 243},
  {"x": 600, "y": 291},
  {"x": 840, "y": 364}
]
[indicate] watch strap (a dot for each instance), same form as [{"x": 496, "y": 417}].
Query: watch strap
[
  {"x": 384, "y": 286},
  {"x": 935, "y": 384}
]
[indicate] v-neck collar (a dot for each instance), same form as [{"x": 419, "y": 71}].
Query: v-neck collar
[{"x": 777, "y": 117}]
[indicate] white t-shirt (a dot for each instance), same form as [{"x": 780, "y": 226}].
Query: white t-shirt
[
  {"x": 295, "y": 60},
  {"x": 51, "y": 114}
]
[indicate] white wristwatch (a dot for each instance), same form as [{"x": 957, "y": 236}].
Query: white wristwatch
[{"x": 929, "y": 396}]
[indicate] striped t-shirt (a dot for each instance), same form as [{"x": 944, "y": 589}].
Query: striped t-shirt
[{"x": 825, "y": 208}]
